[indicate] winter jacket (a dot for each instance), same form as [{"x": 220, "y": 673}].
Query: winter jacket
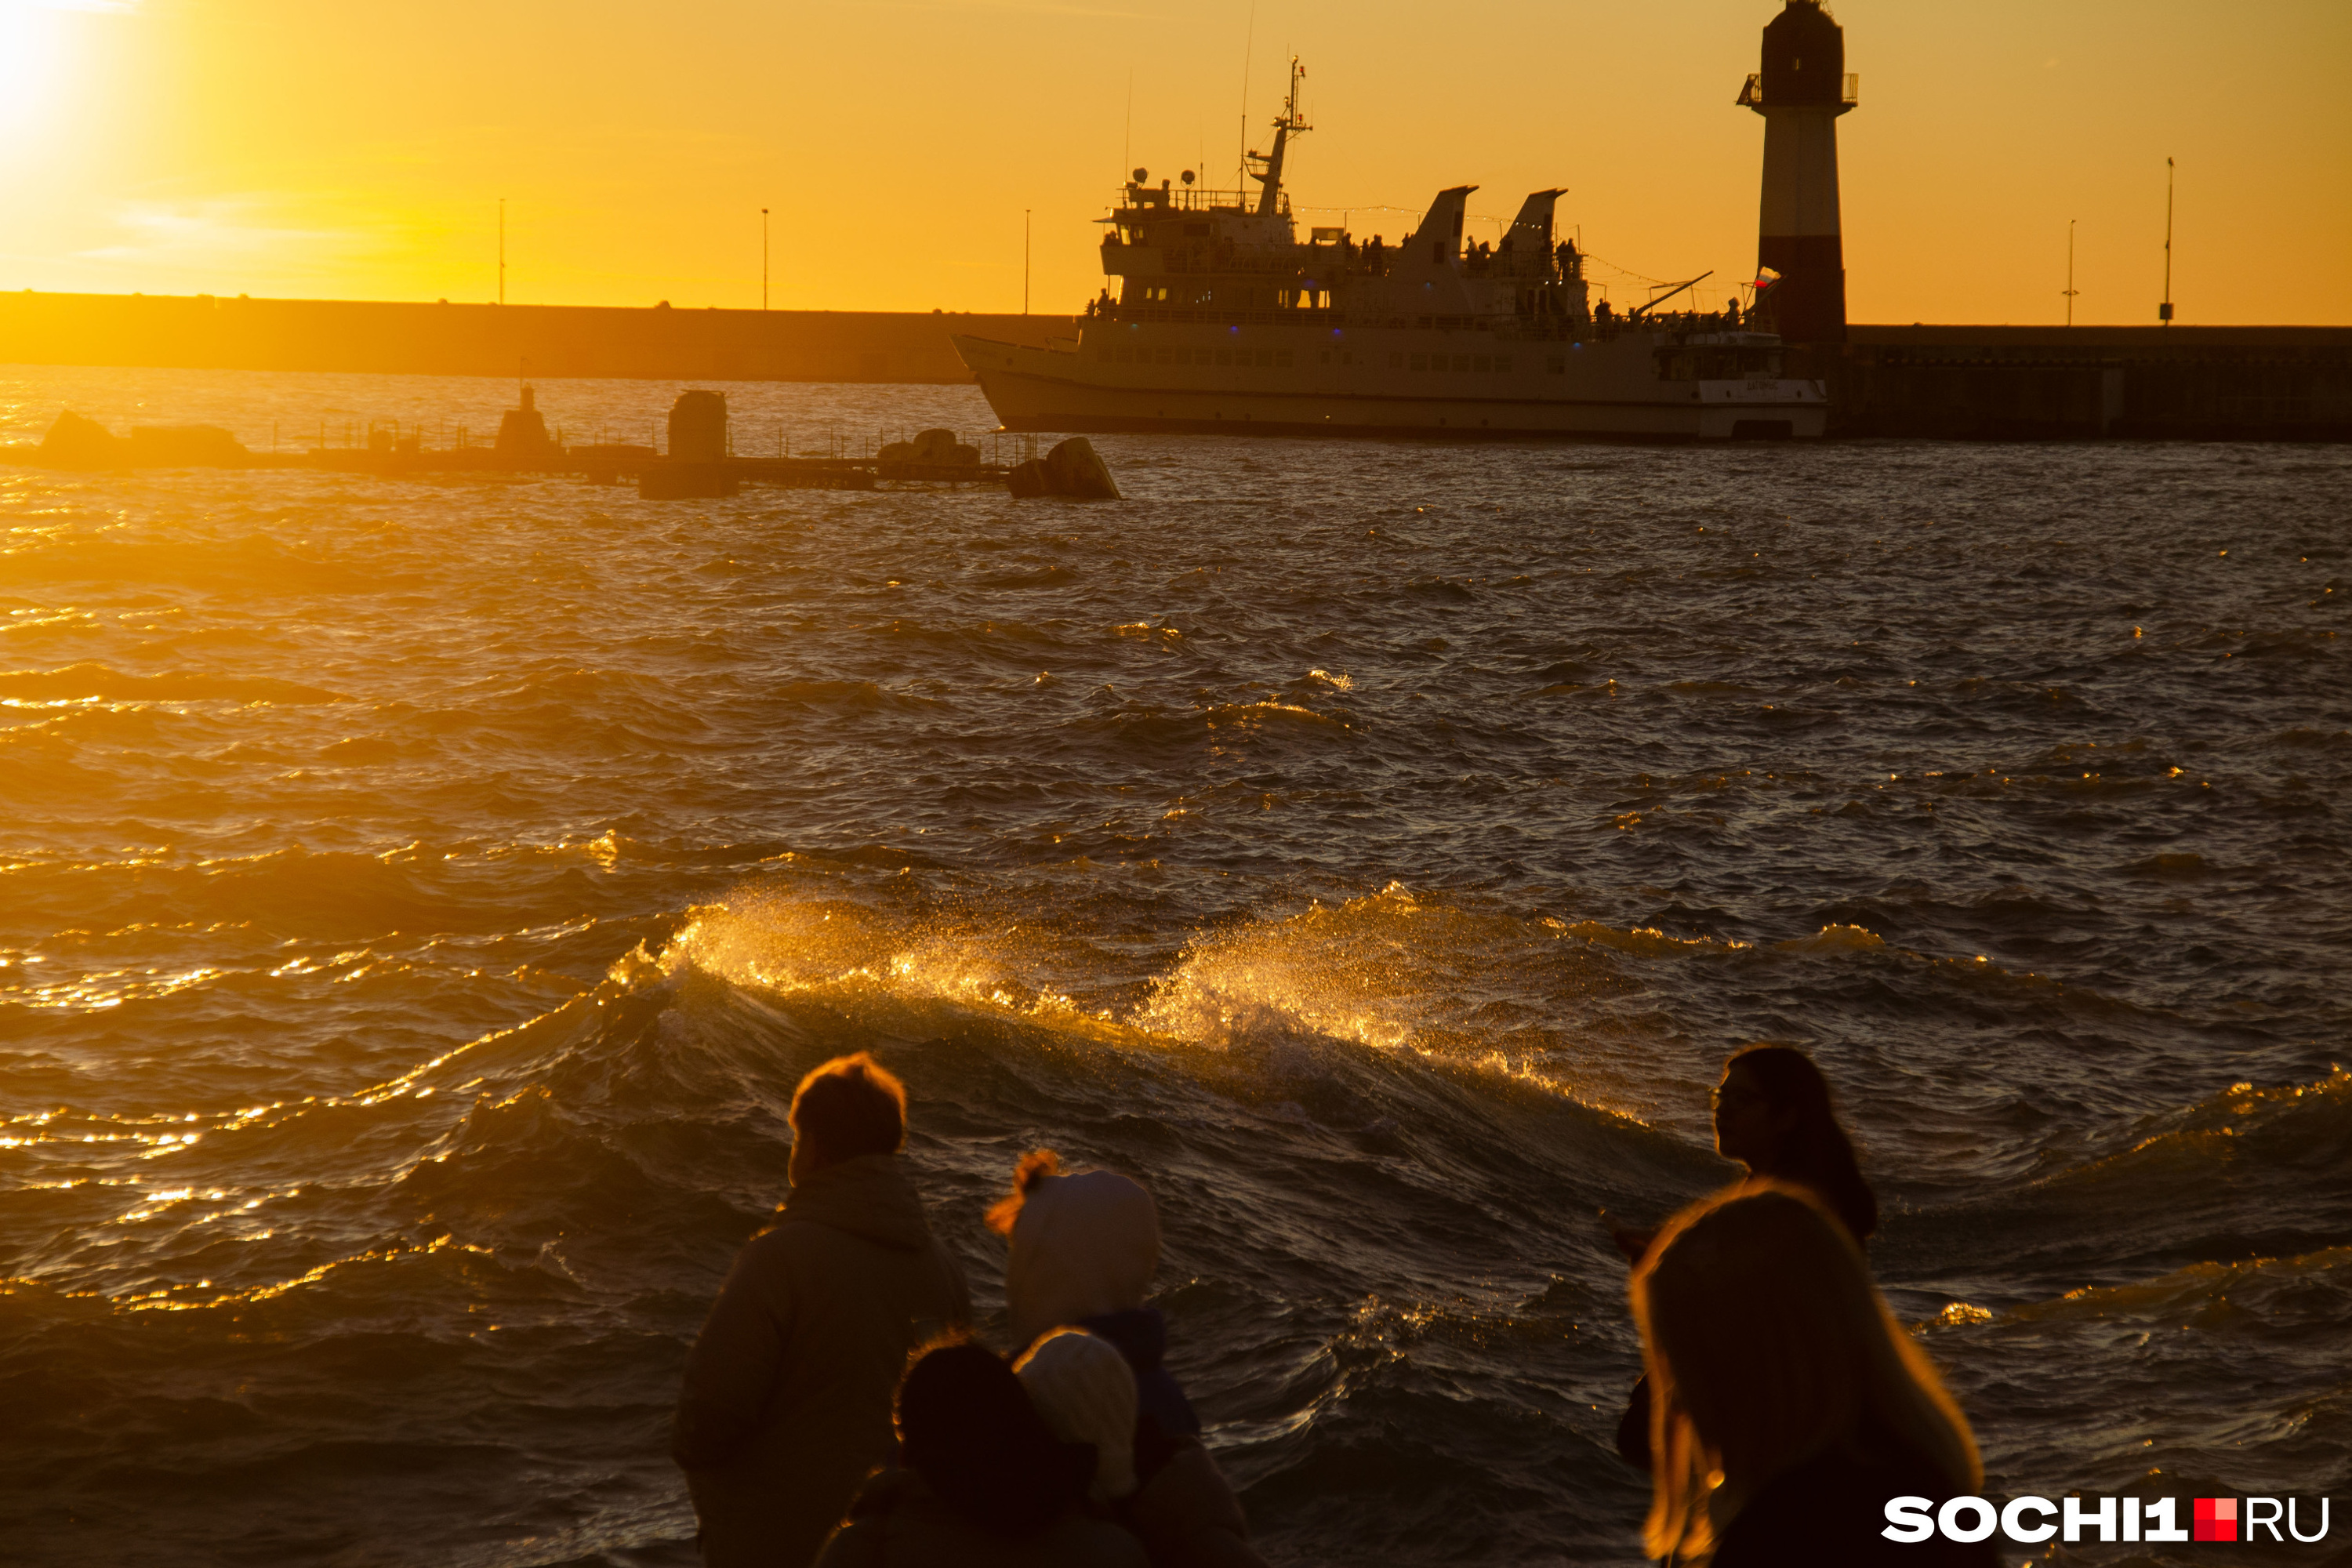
[
  {"x": 786, "y": 1405},
  {"x": 900, "y": 1522},
  {"x": 1187, "y": 1517},
  {"x": 1185, "y": 1514}
]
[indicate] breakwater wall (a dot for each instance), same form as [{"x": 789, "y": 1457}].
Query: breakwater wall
[
  {"x": 2013, "y": 384},
  {"x": 1949, "y": 382},
  {"x": 207, "y": 332}
]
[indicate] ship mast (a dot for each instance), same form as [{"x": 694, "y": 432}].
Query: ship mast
[{"x": 1290, "y": 120}]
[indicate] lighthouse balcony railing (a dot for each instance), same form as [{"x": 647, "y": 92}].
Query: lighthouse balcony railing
[{"x": 1752, "y": 91}]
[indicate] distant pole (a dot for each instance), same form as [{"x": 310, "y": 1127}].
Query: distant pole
[
  {"x": 1025, "y": 261},
  {"x": 763, "y": 259},
  {"x": 502, "y": 250},
  {"x": 2069, "y": 271},
  {"x": 2163, "y": 311}
]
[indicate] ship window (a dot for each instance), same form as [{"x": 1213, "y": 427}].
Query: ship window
[
  {"x": 1396, "y": 362},
  {"x": 1482, "y": 363},
  {"x": 1348, "y": 357},
  {"x": 1421, "y": 362},
  {"x": 1224, "y": 356},
  {"x": 1196, "y": 231},
  {"x": 1461, "y": 361},
  {"x": 1502, "y": 362},
  {"x": 1126, "y": 356},
  {"x": 1557, "y": 364},
  {"x": 1326, "y": 358},
  {"x": 1282, "y": 360},
  {"x": 1266, "y": 359}
]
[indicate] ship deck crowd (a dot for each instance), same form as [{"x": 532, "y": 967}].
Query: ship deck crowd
[{"x": 840, "y": 1410}]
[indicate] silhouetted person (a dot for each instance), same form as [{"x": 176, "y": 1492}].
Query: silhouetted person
[
  {"x": 1778, "y": 1366},
  {"x": 1086, "y": 1391},
  {"x": 982, "y": 1481},
  {"x": 1773, "y": 1114},
  {"x": 1082, "y": 1252},
  {"x": 787, "y": 1398},
  {"x": 1731, "y": 314},
  {"x": 1602, "y": 313}
]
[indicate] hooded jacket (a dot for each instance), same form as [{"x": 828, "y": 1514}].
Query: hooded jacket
[
  {"x": 786, "y": 1404},
  {"x": 1083, "y": 1251},
  {"x": 1082, "y": 1245}
]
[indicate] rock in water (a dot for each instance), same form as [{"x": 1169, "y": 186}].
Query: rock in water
[
  {"x": 1073, "y": 469},
  {"x": 1027, "y": 480},
  {"x": 941, "y": 447},
  {"x": 74, "y": 442}
]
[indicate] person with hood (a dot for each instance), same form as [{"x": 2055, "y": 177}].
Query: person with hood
[
  {"x": 1789, "y": 1407},
  {"x": 1085, "y": 1390},
  {"x": 984, "y": 1481},
  {"x": 786, "y": 1402},
  {"x": 1082, "y": 1251}
]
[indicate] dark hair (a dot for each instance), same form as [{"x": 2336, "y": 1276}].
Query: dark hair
[
  {"x": 849, "y": 1107},
  {"x": 1816, "y": 1153},
  {"x": 1034, "y": 1167},
  {"x": 967, "y": 1428}
]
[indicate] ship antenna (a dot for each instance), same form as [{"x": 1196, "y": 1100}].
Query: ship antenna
[
  {"x": 1249, "y": 43},
  {"x": 1291, "y": 120}
]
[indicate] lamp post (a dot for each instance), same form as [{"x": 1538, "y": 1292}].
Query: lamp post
[
  {"x": 2070, "y": 289},
  {"x": 502, "y": 250},
  {"x": 763, "y": 259},
  {"x": 2163, "y": 311},
  {"x": 1025, "y": 261}
]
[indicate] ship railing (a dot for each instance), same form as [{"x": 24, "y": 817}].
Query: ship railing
[
  {"x": 1195, "y": 199},
  {"x": 1177, "y": 316}
]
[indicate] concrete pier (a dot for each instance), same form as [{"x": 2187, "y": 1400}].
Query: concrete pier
[
  {"x": 2033, "y": 384},
  {"x": 660, "y": 344}
]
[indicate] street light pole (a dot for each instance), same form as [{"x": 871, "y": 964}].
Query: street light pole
[
  {"x": 2070, "y": 272},
  {"x": 763, "y": 259},
  {"x": 502, "y": 250},
  {"x": 2163, "y": 311},
  {"x": 1025, "y": 261}
]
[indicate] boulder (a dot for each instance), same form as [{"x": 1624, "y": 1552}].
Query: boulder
[
  {"x": 1027, "y": 480},
  {"x": 1073, "y": 469},
  {"x": 75, "y": 442},
  {"x": 941, "y": 447}
]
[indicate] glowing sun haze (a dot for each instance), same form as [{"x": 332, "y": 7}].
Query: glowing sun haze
[{"x": 275, "y": 148}]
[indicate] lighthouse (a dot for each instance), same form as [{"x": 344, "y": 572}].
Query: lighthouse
[{"x": 1801, "y": 92}]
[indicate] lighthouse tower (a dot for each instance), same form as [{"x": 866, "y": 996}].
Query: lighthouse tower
[{"x": 1801, "y": 92}]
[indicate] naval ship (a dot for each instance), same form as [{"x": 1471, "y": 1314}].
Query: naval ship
[{"x": 1223, "y": 321}]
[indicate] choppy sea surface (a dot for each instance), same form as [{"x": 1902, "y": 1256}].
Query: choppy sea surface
[{"x": 418, "y": 899}]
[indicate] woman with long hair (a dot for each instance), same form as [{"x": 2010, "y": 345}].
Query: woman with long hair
[
  {"x": 1774, "y": 1115},
  {"x": 1787, "y": 1404}
]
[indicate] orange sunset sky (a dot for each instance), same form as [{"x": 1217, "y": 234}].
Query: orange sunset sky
[{"x": 345, "y": 151}]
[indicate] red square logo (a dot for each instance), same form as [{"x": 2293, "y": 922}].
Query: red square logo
[{"x": 2215, "y": 1519}]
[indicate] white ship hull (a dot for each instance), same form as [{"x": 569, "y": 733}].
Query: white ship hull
[{"x": 1374, "y": 382}]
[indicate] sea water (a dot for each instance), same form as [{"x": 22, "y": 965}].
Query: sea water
[{"x": 419, "y": 898}]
